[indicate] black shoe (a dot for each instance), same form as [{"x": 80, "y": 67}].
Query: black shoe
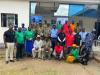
[
  {"x": 12, "y": 61},
  {"x": 17, "y": 59},
  {"x": 7, "y": 62}
]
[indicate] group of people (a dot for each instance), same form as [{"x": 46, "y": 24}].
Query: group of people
[{"x": 44, "y": 41}]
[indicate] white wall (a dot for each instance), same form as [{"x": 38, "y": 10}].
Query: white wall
[{"x": 20, "y": 7}]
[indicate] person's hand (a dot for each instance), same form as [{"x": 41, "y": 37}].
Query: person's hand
[
  {"x": 15, "y": 44},
  {"x": 36, "y": 48},
  {"x": 5, "y": 45},
  {"x": 43, "y": 46},
  {"x": 30, "y": 39}
]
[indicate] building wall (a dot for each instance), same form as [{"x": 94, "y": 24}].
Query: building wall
[
  {"x": 20, "y": 7},
  {"x": 88, "y": 23}
]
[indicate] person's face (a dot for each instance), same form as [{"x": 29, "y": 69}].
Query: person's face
[
  {"x": 38, "y": 38},
  {"x": 19, "y": 29},
  {"x": 54, "y": 27},
  {"x": 74, "y": 47},
  {"x": 77, "y": 24},
  {"x": 46, "y": 38},
  {"x": 29, "y": 28},
  {"x": 11, "y": 28},
  {"x": 59, "y": 22},
  {"x": 78, "y": 30},
  {"x": 23, "y": 25},
  {"x": 66, "y": 22},
  {"x": 83, "y": 30},
  {"x": 72, "y": 22}
]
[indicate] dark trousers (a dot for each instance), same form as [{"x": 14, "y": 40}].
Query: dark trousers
[
  {"x": 19, "y": 52},
  {"x": 53, "y": 42}
]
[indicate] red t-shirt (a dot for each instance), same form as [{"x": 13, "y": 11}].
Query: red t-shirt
[
  {"x": 69, "y": 40},
  {"x": 66, "y": 30},
  {"x": 58, "y": 49}
]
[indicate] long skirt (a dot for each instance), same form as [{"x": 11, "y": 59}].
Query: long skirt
[{"x": 29, "y": 46}]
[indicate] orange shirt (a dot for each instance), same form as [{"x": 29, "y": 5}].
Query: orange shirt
[{"x": 72, "y": 27}]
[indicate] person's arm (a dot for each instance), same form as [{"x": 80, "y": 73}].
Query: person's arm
[
  {"x": 4, "y": 37},
  {"x": 34, "y": 45},
  {"x": 59, "y": 39},
  {"x": 64, "y": 38},
  {"x": 99, "y": 37}
]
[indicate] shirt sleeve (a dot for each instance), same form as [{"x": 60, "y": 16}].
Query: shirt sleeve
[
  {"x": 34, "y": 45},
  {"x": 4, "y": 36}
]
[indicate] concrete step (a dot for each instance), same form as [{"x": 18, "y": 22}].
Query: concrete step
[{"x": 97, "y": 56}]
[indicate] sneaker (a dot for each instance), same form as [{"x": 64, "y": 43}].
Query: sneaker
[
  {"x": 12, "y": 61},
  {"x": 7, "y": 62}
]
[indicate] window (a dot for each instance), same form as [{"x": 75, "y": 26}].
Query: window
[{"x": 8, "y": 19}]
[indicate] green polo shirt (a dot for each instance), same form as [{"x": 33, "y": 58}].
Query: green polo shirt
[
  {"x": 59, "y": 26},
  {"x": 74, "y": 53},
  {"x": 29, "y": 34},
  {"x": 19, "y": 37}
]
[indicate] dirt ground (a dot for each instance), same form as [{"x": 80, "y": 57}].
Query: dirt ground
[{"x": 28, "y": 66}]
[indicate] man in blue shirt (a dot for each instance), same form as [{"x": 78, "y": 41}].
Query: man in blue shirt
[{"x": 53, "y": 35}]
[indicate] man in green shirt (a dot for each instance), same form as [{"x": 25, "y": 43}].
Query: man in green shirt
[
  {"x": 19, "y": 35},
  {"x": 59, "y": 26}
]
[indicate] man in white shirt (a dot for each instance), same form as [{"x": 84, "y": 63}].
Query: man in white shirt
[
  {"x": 38, "y": 47},
  {"x": 83, "y": 36}
]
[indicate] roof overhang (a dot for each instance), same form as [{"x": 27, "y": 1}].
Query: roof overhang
[{"x": 71, "y": 1}]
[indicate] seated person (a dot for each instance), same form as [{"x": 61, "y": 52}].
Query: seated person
[
  {"x": 47, "y": 49},
  {"x": 86, "y": 50},
  {"x": 73, "y": 56},
  {"x": 84, "y": 56},
  {"x": 58, "y": 51},
  {"x": 38, "y": 47}
]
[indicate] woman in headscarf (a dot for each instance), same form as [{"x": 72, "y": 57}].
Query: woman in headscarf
[{"x": 29, "y": 35}]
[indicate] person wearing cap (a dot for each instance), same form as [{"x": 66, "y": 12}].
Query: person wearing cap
[
  {"x": 29, "y": 35},
  {"x": 9, "y": 41},
  {"x": 20, "y": 39},
  {"x": 37, "y": 47},
  {"x": 74, "y": 51},
  {"x": 73, "y": 56},
  {"x": 47, "y": 48},
  {"x": 53, "y": 35}
]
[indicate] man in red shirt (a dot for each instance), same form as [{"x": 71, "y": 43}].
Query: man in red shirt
[{"x": 58, "y": 51}]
